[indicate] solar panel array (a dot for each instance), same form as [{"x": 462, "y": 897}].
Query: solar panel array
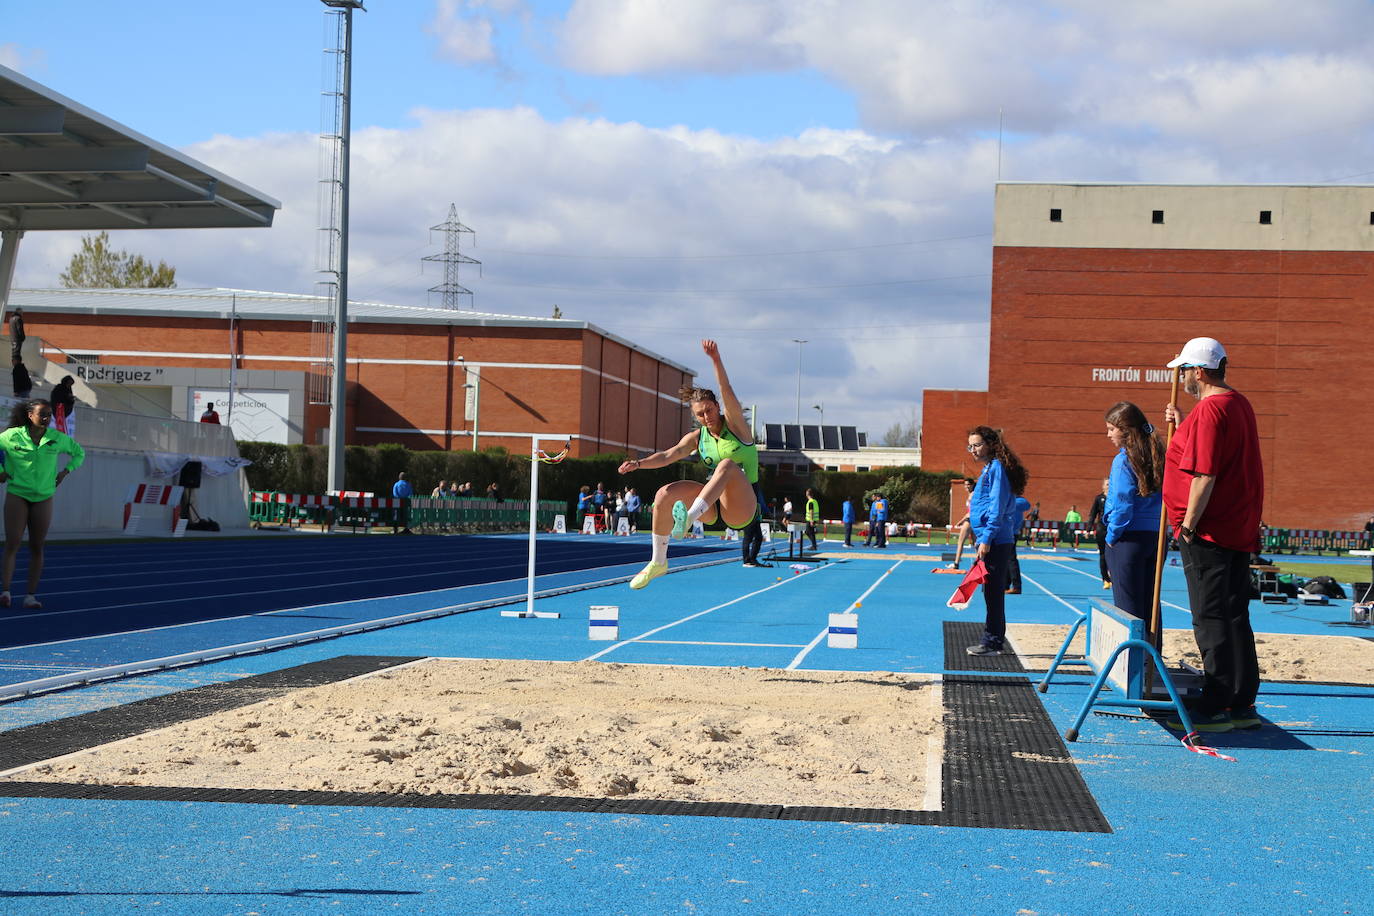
[{"x": 796, "y": 437}]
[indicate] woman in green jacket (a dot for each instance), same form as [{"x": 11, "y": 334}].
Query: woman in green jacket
[{"x": 30, "y": 470}]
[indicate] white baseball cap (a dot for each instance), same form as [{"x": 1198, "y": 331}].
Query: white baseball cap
[{"x": 1200, "y": 351}]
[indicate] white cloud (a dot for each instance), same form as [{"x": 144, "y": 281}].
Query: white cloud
[
  {"x": 465, "y": 28},
  {"x": 950, "y": 65},
  {"x": 18, "y": 57}
]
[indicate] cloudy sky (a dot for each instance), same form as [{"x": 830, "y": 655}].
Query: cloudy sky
[{"x": 751, "y": 170}]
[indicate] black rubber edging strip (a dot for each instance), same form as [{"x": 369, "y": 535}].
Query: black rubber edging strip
[{"x": 1004, "y": 765}]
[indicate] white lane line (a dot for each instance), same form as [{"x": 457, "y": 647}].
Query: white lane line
[
  {"x": 823, "y": 633},
  {"x": 935, "y": 758},
  {"x": 1096, "y": 579},
  {"x": 701, "y": 642},
  {"x": 643, "y": 636},
  {"x": 1048, "y": 592}
]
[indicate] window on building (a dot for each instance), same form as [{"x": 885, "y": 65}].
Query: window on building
[
  {"x": 1371, "y": 217},
  {"x": 861, "y": 468},
  {"x": 1056, "y": 215},
  {"x": 832, "y": 467},
  {"x": 1156, "y": 216},
  {"x": 1266, "y": 217},
  {"x": 87, "y": 360}
]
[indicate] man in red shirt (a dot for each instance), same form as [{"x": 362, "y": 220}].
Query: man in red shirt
[
  {"x": 211, "y": 415},
  {"x": 1214, "y": 494}
]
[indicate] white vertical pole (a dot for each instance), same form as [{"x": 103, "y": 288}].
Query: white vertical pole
[{"x": 534, "y": 506}]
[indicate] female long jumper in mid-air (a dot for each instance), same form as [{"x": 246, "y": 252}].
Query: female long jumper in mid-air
[{"x": 724, "y": 443}]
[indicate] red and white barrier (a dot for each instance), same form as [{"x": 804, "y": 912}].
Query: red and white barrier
[{"x": 149, "y": 507}]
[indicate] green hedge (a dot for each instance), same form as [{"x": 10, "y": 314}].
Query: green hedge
[
  {"x": 304, "y": 469},
  {"x": 913, "y": 494}
]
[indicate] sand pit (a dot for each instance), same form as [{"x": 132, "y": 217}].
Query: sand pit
[
  {"x": 447, "y": 726},
  {"x": 1282, "y": 657}
]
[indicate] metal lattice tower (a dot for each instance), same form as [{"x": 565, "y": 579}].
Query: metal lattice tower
[{"x": 453, "y": 231}]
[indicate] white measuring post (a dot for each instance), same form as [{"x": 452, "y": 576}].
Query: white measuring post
[
  {"x": 589, "y": 524},
  {"x": 603, "y": 622},
  {"x": 844, "y": 631},
  {"x": 622, "y": 526},
  {"x": 560, "y": 525},
  {"x": 529, "y": 610}
]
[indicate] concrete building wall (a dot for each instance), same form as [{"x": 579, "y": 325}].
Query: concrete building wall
[{"x": 1196, "y": 217}]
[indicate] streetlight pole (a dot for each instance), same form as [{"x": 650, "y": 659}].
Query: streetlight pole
[
  {"x": 798, "y": 341},
  {"x": 338, "y": 409}
]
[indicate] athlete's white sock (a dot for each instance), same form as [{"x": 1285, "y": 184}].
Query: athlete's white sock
[
  {"x": 699, "y": 507},
  {"x": 661, "y": 547}
]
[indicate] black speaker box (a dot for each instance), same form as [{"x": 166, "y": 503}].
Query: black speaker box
[{"x": 190, "y": 475}]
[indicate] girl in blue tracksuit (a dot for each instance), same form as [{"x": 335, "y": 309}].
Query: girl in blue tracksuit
[
  {"x": 1132, "y": 511},
  {"x": 994, "y": 520}
]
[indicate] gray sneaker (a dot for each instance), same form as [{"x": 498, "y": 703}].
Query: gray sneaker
[{"x": 983, "y": 649}]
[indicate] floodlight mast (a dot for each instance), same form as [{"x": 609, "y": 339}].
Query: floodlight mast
[{"x": 338, "y": 413}]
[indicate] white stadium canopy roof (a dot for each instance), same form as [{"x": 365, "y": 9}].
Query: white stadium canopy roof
[{"x": 64, "y": 166}]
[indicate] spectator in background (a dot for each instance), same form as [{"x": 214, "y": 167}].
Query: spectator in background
[
  {"x": 847, "y": 516},
  {"x": 23, "y": 384},
  {"x": 1214, "y": 491},
  {"x": 963, "y": 529},
  {"x": 787, "y": 512},
  {"x": 1072, "y": 516},
  {"x": 64, "y": 406},
  {"x": 440, "y": 491},
  {"x": 584, "y": 505},
  {"x": 1014, "y": 565},
  {"x": 1131, "y": 516},
  {"x": 452, "y": 491},
  {"x": 751, "y": 537},
  {"x": 599, "y": 505},
  {"x": 813, "y": 515},
  {"x": 402, "y": 490},
  {"x": 1098, "y": 521},
  {"x": 1031, "y": 519},
  {"x": 467, "y": 490},
  {"x": 632, "y": 505},
  {"x": 877, "y": 519},
  {"x": 30, "y": 449},
  {"x": 17, "y": 336},
  {"x": 993, "y": 517},
  {"x": 210, "y": 415},
  {"x": 494, "y": 492}
]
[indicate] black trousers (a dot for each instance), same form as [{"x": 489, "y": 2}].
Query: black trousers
[
  {"x": 1013, "y": 570},
  {"x": 998, "y": 563},
  {"x": 1131, "y": 561},
  {"x": 751, "y": 541},
  {"x": 810, "y": 533},
  {"x": 881, "y": 533},
  {"x": 848, "y": 534},
  {"x": 1100, "y": 535},
  {"x": 1219, "y": 595}
]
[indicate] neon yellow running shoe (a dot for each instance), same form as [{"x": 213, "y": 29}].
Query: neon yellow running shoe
[
  {"x": 648, "y": 574},
  {"x": 679, "y": 520}
]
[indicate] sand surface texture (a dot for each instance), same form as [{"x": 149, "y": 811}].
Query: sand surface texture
[
  {"x": 1282, "y": 657},
  {"x": 762, "y": 736}
]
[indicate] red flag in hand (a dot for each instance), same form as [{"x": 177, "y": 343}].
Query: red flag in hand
[
  {"x": 59, "y": 417},
  {"x": 976, "y": 576}
]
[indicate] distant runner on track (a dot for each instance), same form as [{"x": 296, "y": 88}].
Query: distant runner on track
[{"x": 723, "y": 442}]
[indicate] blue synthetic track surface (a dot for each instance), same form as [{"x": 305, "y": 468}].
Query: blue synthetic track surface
[{"x": 1284, "y": 829}]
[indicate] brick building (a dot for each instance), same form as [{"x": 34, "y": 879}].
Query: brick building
[
  {"x": 423, "y": 377},
  {"x": 1095, "y": 287}
]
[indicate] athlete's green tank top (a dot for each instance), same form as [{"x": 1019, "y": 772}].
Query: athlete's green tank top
[{"x": 713, "y": 450}]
